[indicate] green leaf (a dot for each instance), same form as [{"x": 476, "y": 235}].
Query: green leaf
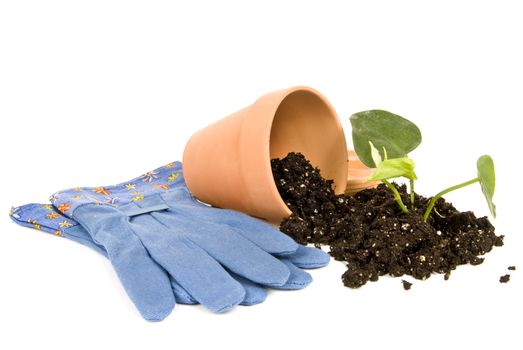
[
  {"x": 391, "y": 168},
  {"x": 385, "y": 130},
  {"x": 487, "y": 179}
]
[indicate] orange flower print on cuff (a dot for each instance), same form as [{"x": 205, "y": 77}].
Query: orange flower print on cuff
[
  {"x": 52, "y": 216},
  {"x": 102, "y": 191},
  {"x": 162, "y": 186},
  {"x": 58, "y": 232},
  {"x": 64, "y": 207}
]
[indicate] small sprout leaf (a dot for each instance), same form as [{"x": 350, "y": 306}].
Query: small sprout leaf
[
  {"x": 487, "y": 179},
  {"x": 376, "y": 157},
  {"x": 391, "y": 168},
  {"x": 385, "y": 153},
  {"x": 385, "y": 130}
]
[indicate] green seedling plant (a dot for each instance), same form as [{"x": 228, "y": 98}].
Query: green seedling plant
[
  {"x": 392, "y": 168},
  {"x": 396, "y": 136},
  {"x": 486, "y": 178}
]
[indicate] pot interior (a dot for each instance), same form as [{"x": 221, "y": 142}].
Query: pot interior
[{"x": 305, "y": 122}]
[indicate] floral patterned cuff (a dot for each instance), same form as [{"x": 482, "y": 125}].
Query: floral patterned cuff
[{"x": 157, "y": 181}]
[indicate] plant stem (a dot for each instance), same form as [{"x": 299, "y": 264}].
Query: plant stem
[
  {"x": 397, "y": 195},
  {"x": 442, "y": 193},
  {"x": 412, "y": 193}
]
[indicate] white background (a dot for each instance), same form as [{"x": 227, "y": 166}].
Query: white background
[{"x": 96, "y": 92}]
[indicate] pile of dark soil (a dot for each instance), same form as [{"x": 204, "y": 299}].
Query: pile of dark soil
[{"x": 370, "y": 232}]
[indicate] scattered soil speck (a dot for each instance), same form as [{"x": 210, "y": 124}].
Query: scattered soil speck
[
  {"x": 504, "y": 279},
  {"x": 512, "y": 268},
  {"x": 371, "y": 234},
  {"x": 406, "y": 284}
]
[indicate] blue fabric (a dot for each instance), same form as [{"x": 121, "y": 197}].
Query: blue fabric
[
  {"x": 156, "y": 181},
  {"x": 44, "y": 217},
  {"x": 157, "y": 234}
]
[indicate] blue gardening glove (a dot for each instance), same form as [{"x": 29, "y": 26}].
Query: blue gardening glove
[
  {"x": 155, "y": 217},
  {"x": 46, "y": 218}
]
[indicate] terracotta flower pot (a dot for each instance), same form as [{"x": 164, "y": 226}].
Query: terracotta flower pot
[{"x": 228, "y": 163}]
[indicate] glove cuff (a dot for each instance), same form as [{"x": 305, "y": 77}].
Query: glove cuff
[
  {"x": 44, "y": 217},
  {"x": 160, "y": 180}
]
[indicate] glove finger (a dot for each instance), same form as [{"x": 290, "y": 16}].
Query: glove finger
[
  {"x": 257, "y": 231},
  {"x": 198, "y": 273},
  {"x": 233, "y": 251},
  {"x": 242, "y": 257},
  {"x": 146, "y": 283},
  {"x": 309, "y": 257},
  {"x": 181, "y": 295},
  {"x": 298, "y": 278},
  {"x": 254, "y": 293},
  {"x": 261, "y": 233}
]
